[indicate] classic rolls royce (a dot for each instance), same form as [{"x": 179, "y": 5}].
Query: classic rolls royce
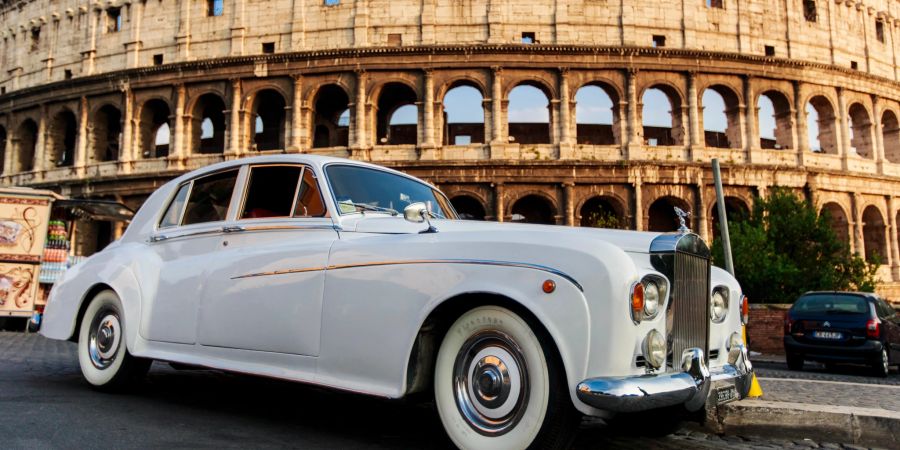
[{"x": 356, "y": 277}]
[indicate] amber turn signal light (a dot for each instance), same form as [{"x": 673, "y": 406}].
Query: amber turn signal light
[
  {"x": 637, "y": 300},
  {"x": 745, "y": 310},
  {"x": 549, "y": 286}
]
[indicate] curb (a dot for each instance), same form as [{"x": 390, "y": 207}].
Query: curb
[{"x": 866, "y": 426}]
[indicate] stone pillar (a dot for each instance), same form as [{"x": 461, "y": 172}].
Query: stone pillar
[
  {"x": 497, "y": 105},
  {"x": 298, "y": 137},
  {"x": 858, "y": 236},
  {"x": 127, "y": 152},
  {"x": 703, "y": 222},
  {"x": 41, "y": 152},
  {"x": 565, "y": 108},
  {"x": 894, "y": 238},
  {"x": 802, "y": 129},
  {"x": 362, "y": 141},
  {"x": 136, "y": 12},
  {"x": 843, "y": 129},
  {"x": 752, "y": 112},
  {"x": 638, "y": 203},
  {"x": 635, "y": 129},
  {"x": 234, "y": 126},
  {"x": 361, "y": 23},
  {"x": 180, "y": 129},
  {"x": 428, "y": 109},
  {"x": 298, "y": 25},
  {"x": 569, "y": 193},
  {"x": 238, "y": 31},
  {"x": 499, "y": 206},
  {"x": 11, "y": 153},
  {"x": 878, "y": 129},
  {"x": 183, "y": 38},
  {"x": 81, "y": 149},
  {"x": 693, "y": 100}
]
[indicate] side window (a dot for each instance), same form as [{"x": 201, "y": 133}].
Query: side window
[
  {"x": 271, "y": 191},
  {"x": 885, "y": 310},
  {"x": 173, "y": 212},
  {"x": 210, "y": 198},
  {"x": 309, "y": 199}
]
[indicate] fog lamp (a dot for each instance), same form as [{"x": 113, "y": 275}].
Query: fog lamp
[
  {"x": 718, "y": 304},
  {"x": 654, "y": 348}
]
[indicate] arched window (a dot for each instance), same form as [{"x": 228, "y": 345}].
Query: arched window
[
  {"x": 529, "y": 115},
  {"x": 874, "y": 235},
  {"x": 837, "y": 218},
  {"x": 107, "y": 134},
  {"x": 820, "y": 122},
  {"x": 208, "y": 124},
  {"x": 661, "y": 215},
  {"x": 596, "y": 116},
  {"x": 735, "y": 211},
  {"x": 397, "y": 115},
  {"x": 890, "y": 133},
  {"x": 860, "y": 131},
  {"x": 603, "y": 212},
  {"x": 268, "y": 112},
  {"x": 63, "y": 137},
  {"x": 468, "y": 207},
  {"x": 775, "y": 124},
  {"x": 25, "y": 146},
  {"x": 721, "y": 117},
  {"x": 463, "y": 116},
  {"x": 661, "y": 116},
  {"x": 331, "y": 126},
  {"x": 533, "y": 209},
  {"x": 155, "y": 131}
]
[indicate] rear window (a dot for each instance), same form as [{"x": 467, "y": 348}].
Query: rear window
[{"x": 832, "y": 304}]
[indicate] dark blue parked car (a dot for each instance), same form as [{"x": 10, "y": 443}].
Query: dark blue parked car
[{"x": 838, "y": 327}]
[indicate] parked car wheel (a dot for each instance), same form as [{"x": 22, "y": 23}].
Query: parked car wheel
[
  {"x": 496, "y": 386},
  {"x": 882, "y": 366},
  {"x": 794, "y": 362},
  {"x": 102, "y": 353}
]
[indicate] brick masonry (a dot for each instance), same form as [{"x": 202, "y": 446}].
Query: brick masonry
[{"x": 766, "y": 328}]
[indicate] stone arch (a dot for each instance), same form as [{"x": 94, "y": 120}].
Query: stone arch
[
  {"x": 661, "y": 213},
  {"x": 268, "y": 116},
  {"x": 603, "y": 211},
  {"x": 526, "y": 119},
  {"x": 659, "y": 131},
  {"x": 331, "y": 117},
  {"x": 459, "y": 100},
  {"x": 461, "y": 80},
  {"x": 392, "y": 97},
  {"x": 468, "y": 207},
  {"x": 736, "y": 210},
  {"x": 62, "y": 138},
  {"x": 780, "y": 135},
  {"x": 721, "y": 129},
  {"x": 890, "y": 133},
  {"x": 26, "y": 143},
  {"x": 821, "y": 124},
  {"x": 155, "y": 128},
  {"x": 208, "y": 124},
  {"x": 593, "y": 127},
  {"x": 860, "y": 129},
  {"x": 836, "y": 216},
  {"x": 874, "y": 234},
  {"x": 106, "y": 133},
  {"x": 534, "y": 208}
]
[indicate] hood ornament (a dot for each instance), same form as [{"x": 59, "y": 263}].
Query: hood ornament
[{"x": 682, "y": 223}]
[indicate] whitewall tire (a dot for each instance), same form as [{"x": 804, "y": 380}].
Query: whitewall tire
[
  {"x": 102, "y": 353},
  {"x": 497, "y": 387}
]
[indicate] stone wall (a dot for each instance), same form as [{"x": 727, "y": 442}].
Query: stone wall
[{"x": 765, "y": 331}]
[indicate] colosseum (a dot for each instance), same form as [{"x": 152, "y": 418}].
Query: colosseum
[{"x": 110, "y": 99}]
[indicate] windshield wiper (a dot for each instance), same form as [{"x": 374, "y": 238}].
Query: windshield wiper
[{"x": 368, "y": 207}]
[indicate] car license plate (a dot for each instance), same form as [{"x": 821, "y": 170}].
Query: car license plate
[
  {"x": 726, "y": 394},
  {"x": 827, "y": 335}
]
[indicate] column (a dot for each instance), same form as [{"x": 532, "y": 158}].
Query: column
[
  {"x": 234, "y": 126},
  {"x": 499, "y": 207},
  {"x": 298, "y": 25},
  {"x": 298, "y": 137},
  {"x": 638, "y": 203},
  {"x": 183, "y": 38},
  {"x": 41, "y": 152},
  {"x": 894, "y": 238},
  {"x": 565, "y": 107},
  {"x": 428, "y": 109},
  {"x": 127, "y": 152},
  {"x": 858, "y": 237},
  {"x": 843, "y": 129},
  {"x": 569, "y": 193},
  {"x": 752, "y": 115},
  {"x": 694, "y": 112},
  {"x": 136, "y": 13},
  {"x": 497, "y": 105},
  {"x": 801, "y": 119},
  {"x": 180, "y": 129},
  {"x": 635, "y": 130},
  {"x": 360, "y": 100},
  {"x": 10, "y": 150},
  {"x": 877, "y": 128},
  {"x": 703, "y": 222},
  {"x": 81, "y": 149}
]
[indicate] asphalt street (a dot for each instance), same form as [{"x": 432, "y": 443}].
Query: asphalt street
[{"x": 44, "y": 403}]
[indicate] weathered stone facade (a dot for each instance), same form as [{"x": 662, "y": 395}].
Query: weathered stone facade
[{"x": 111, "y": 99}]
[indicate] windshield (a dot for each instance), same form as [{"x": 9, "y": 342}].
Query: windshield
[
  {"x": 832, "y": 304},
  {"x": 361, "y": 189}
]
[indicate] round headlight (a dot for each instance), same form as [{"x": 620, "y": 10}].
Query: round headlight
[
  {"x": 651, "y": 299},
  {"x": 655, "y": 349},
  {"x": 718, "y": 305}
]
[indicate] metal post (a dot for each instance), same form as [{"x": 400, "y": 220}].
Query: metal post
[{"x": 723, "y": 216}]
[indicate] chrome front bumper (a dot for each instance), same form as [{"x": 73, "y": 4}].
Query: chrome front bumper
[{"x": 690, "y": 388}]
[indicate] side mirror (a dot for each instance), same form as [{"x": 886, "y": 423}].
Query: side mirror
[{"x": 415, "y": 212}]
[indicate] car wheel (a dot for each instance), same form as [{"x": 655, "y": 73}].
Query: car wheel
[
  {"x": 102, "y": 353},
  {"x": 497, "y": 387},
  {"x": 882, "y": 366},
  {"x": 794, "y": 362}
]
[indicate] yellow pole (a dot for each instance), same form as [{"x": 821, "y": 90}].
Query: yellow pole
[{"x": 755, "y": 389}]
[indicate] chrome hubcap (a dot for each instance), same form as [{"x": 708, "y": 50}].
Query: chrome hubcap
[
  {"x": 104, "y": 339},
  {"x": 490, "y": 383},
  {"x": 885, "y": 361}
]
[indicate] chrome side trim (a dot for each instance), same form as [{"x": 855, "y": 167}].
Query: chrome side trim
[
  {"x": 290, "y": 227},
  {"x": 168, "y": 237},
  {"x": 483, "y": 262}
]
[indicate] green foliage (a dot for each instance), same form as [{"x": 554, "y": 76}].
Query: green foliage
[
  {"x": 604, "y": 219},
  {"x": 785, "y": 249}
]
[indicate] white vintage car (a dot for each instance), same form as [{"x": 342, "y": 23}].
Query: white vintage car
[{"x": 360, "y": 278}]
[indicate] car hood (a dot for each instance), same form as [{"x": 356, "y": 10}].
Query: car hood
[{"x": 629, "y": 241}]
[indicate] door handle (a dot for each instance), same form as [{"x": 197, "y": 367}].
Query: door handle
[
  {"x": 232, "y": 229},
  {"x": 158, "y": 238}
]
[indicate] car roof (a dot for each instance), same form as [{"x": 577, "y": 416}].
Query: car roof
[{"x": 869, "y": 295}]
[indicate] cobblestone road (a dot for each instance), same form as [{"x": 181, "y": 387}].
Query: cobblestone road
[{"x": 45, "y": 404}]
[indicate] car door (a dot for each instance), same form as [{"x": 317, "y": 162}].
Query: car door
[
  {"x": 188, "y": 233},
  {"x": 890, "y": 323},
  {"x": 266, "y": 281}
]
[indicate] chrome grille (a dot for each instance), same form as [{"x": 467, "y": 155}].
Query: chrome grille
[{"x": 690, "y": 306}]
